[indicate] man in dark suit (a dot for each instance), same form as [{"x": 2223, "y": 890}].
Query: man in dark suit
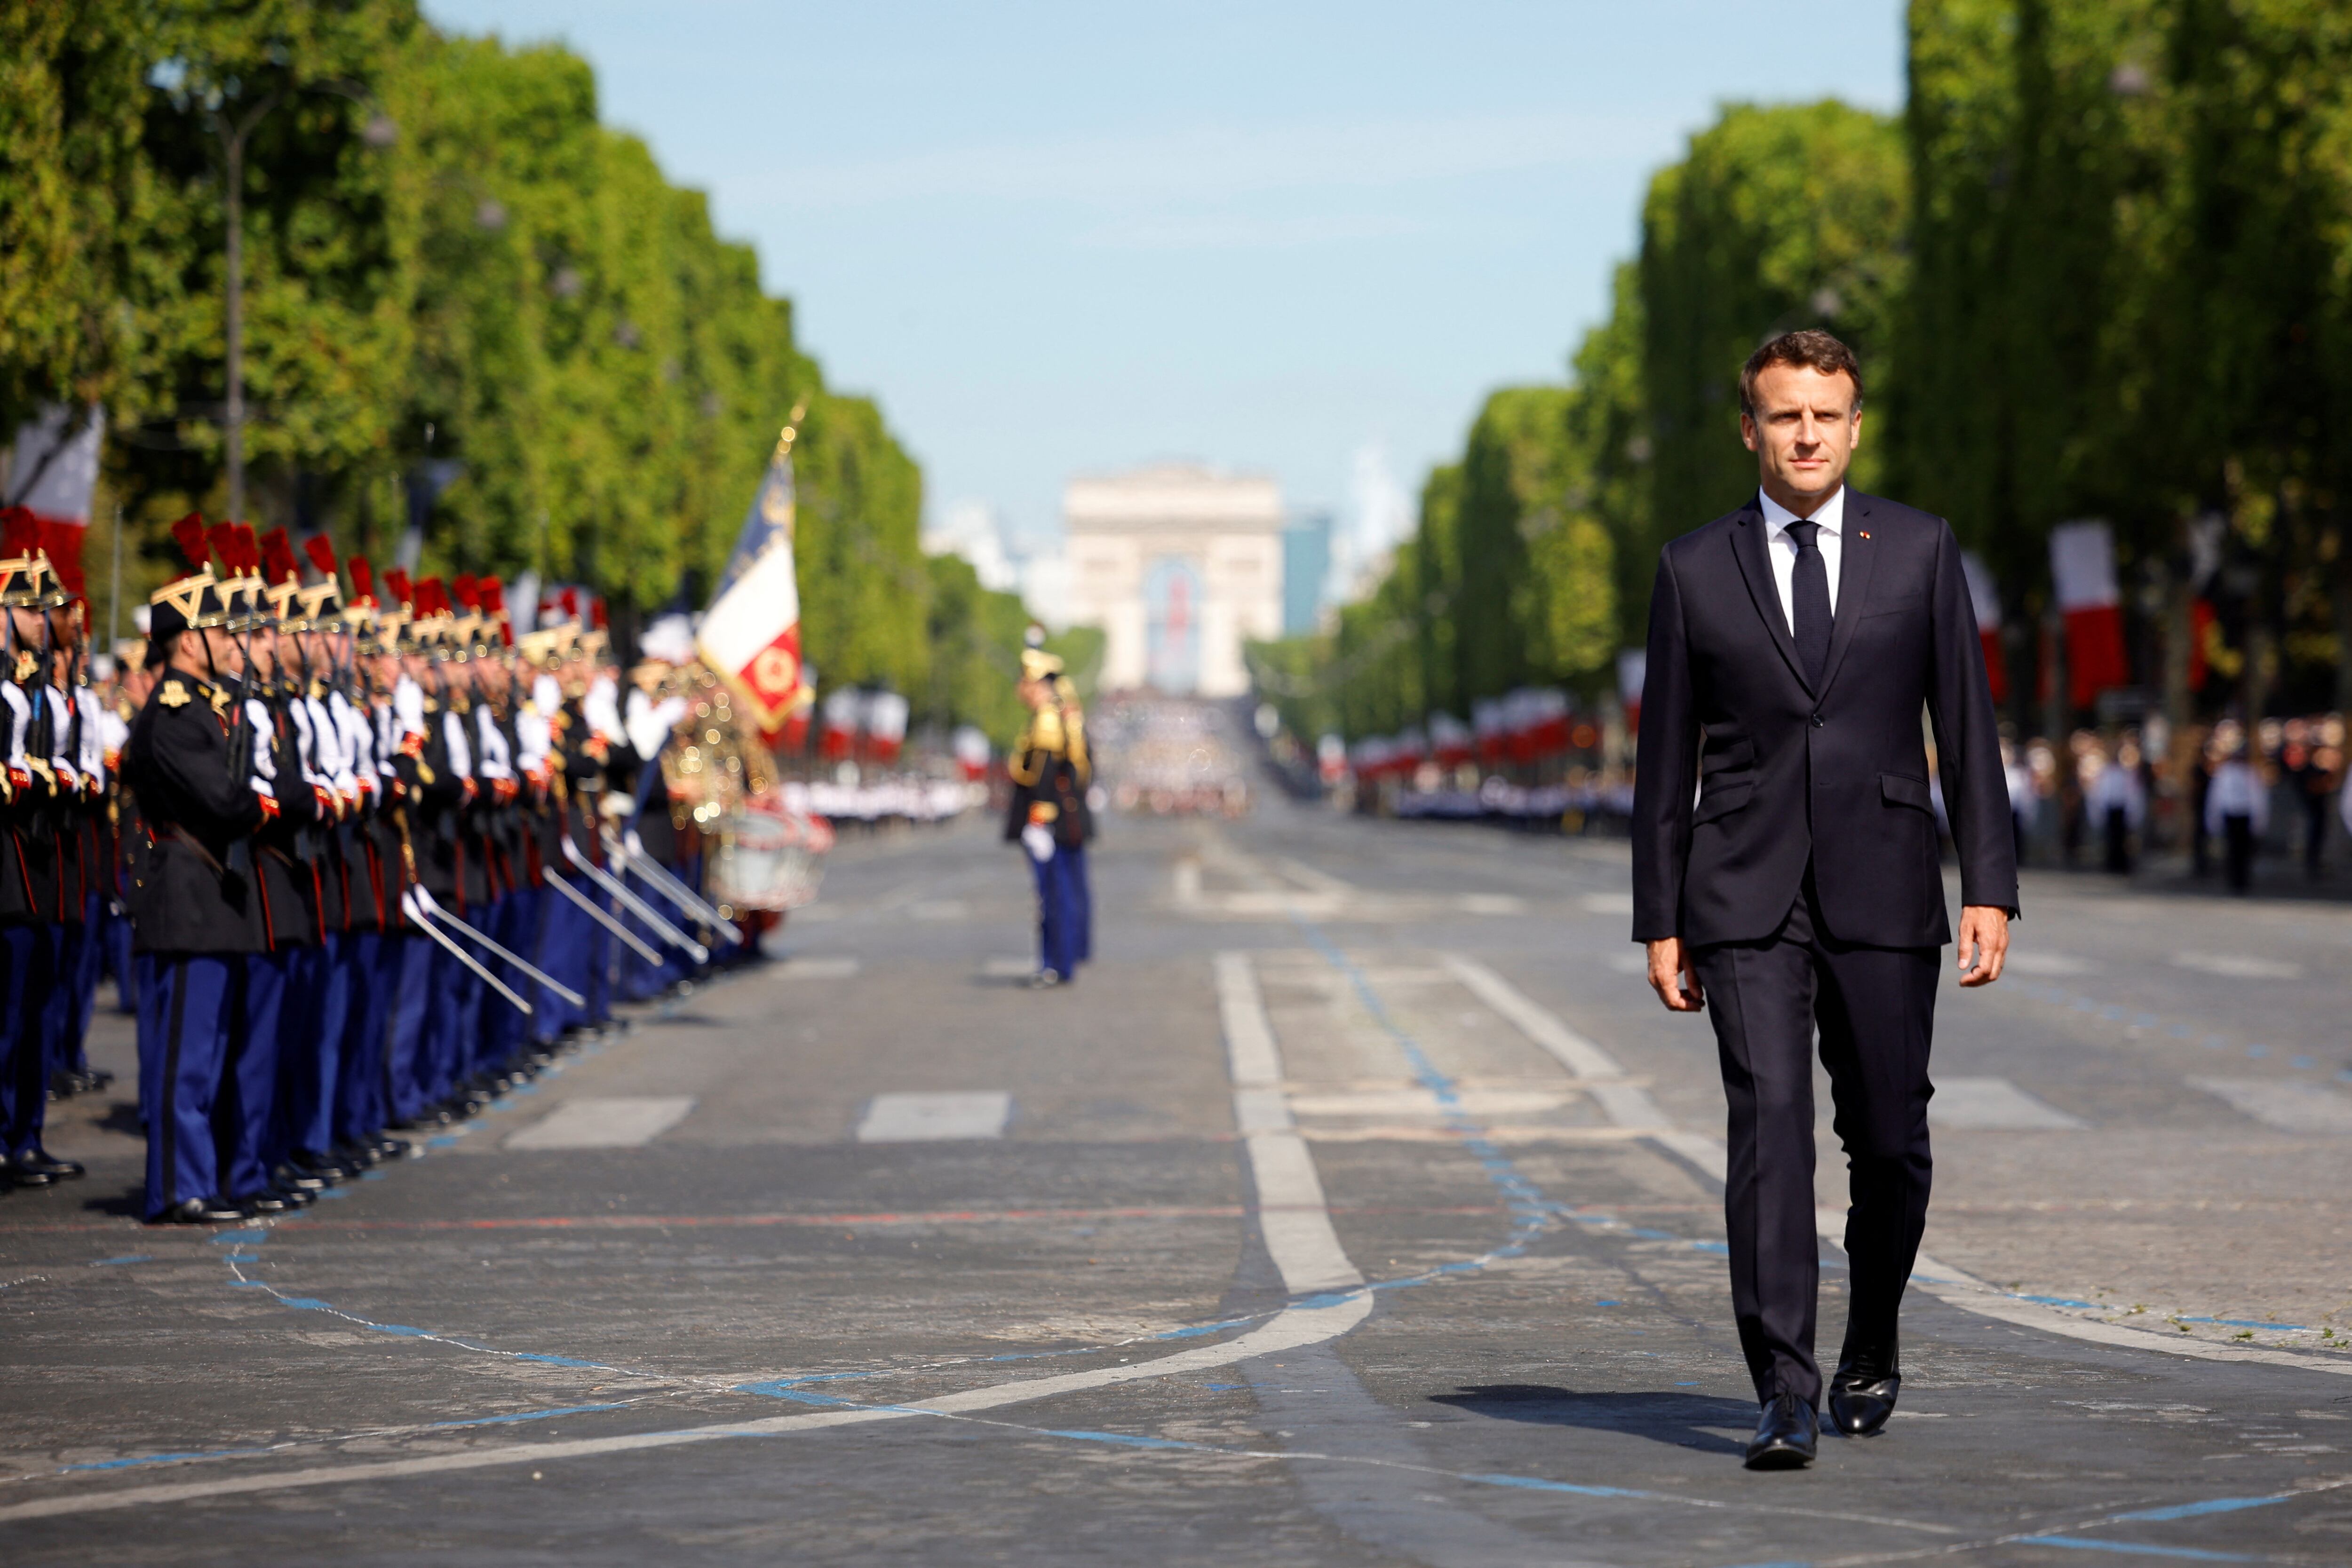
[{"x": 1786, "y": 862}]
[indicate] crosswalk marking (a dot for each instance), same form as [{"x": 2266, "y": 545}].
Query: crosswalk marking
[
  {"x": 2289, "y": 1106},
  {"x": 611, "y": 1123},
  {"x": 935, "y": 1118},
  {"x": 1994, "y": 1104}
]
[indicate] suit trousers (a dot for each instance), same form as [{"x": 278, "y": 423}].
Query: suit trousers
[{"x": 1875, "y": 1008}]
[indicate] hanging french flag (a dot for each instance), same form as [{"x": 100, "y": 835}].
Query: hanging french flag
[
  {"x": 53, "y": 475},
  {"x": 751, "y": 635},
  {"x": 1984, "y": 598},
  {"x": 2082, "y": 568}
]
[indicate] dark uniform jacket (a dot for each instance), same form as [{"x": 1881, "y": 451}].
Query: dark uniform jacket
[
  {"x": 193, "y": 886},
  {"x": 1050, "y": 770}
]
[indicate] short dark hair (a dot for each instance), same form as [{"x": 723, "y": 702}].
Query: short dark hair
[{"x": 1810, "y": 346}]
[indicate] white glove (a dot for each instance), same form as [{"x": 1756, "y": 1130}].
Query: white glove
[{"x": 1038, "y": 840}]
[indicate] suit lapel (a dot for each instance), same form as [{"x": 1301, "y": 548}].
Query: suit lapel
[
  {"x": 1857, "y": 558},
  {"x": 1748, "y": 545}
]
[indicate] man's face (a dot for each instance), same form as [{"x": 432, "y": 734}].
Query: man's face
[
  {"x": 1804, "y": 433},
  {"x": 227, "y": 649}
]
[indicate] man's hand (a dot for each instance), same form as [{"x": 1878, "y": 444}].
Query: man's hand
[
  {"x": 1984, "y": 945},
  {"x": 1674, "y": 977}
]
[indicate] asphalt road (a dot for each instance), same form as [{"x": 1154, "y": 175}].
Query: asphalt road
[{"x": 1357, "y": 1207}]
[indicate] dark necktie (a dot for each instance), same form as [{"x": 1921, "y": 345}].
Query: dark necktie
[{"x": 1809, "y": 596}]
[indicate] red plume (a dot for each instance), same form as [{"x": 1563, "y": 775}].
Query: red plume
[
  {"x": 468, "y": 593},
  {"x": 249, "y": 549},
  {"x": 278, "y": 558},
  {"x": 190, "y": 533},
  {"x": 494, "y": 596},
  {"x": 19, "y": 531},
  {"x": 322, "y": 552},
  {"x": 363, "y": 578},
  {"x": 432, "y": 599},
  {"x": 61, "y": 542},
  {"x": 225, "y": 546},
  {"x": 596, "y": 615}
]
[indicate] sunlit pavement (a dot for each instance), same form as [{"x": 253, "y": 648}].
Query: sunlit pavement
[{"x": 1357, "y": 1205}]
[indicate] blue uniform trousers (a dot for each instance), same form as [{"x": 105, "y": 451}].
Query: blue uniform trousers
[
  {"x": 57, "y": 1004},
  {"x": 408, "y": 1066},
  {"x": 119, "y": 961},
  {"x": 310, "y": 1044},
  {"x": 89, "y": 943},
  {"x": 249, "y": 1095},
  {"x": 453, "y": 1010},
  {"x": 186, "y": 1006},
  {"x": 27, "y": 955},
  {"x": 507, "y": 922},
  {"x": 1062, "y": 910},
  {"x": 561, "y": 950},
  {"x": 373, "y": 960}
]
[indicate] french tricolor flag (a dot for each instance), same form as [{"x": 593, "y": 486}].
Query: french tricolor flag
[
  {"x": 751, "y": 636},
  {"x": 2082, "y": 570}
]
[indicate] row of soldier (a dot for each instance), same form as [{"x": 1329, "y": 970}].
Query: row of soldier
[{"x": 378, "y": 859}]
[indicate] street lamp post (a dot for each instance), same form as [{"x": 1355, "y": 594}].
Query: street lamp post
[{"x": 380, "y": 131}]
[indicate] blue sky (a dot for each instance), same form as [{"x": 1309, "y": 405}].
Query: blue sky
[{"x": 1061, "y": 238}]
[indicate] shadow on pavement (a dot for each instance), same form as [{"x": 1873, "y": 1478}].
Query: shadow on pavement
[{"x": 1684, "y": 1420}]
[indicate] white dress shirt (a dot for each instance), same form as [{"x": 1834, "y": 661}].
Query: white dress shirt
[{"x": 1782, "y": 550}]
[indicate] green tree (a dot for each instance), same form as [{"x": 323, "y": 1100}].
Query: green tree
[{"x": 1777, "y": 218}]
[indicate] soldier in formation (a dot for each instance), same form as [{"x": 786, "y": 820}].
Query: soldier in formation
[{"x": 360, "y": 861}]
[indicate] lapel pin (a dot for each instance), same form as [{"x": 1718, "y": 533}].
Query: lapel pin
[{"x": 1866, "y": 533}]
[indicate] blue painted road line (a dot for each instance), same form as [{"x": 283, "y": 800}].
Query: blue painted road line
[
  {"x": 2198, "y": 1510},
  {"x": 2136, "y": 1549}
]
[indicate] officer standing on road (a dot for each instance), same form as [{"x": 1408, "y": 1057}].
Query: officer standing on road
[
  {"x": 1051, "y": 772},
  {"x": 193, "y": 899}
]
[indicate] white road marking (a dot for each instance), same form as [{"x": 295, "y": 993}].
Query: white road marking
[
  {"x": 935, "y": 1118},
  {"x": 1007, "y": 967},
  {"x": 1291, "y": 1329},
  {"x": 820, "y": 969},
  {"x": 1626, "y": 1105},
  {"x": 2238, "y": 966},
  {"x": 2289, "y": 1106},
  {"x": 1251, "y": 1055},
  {"x": 1994, "y": 1104},
  {"x": 1955, "y": 1287},
  {"x": 2050, "y": 966},
  {"x": 614, "y": 1123},
  {"x": 1292, "y": 1214},
  {"x": 1414, "y": 1100}
]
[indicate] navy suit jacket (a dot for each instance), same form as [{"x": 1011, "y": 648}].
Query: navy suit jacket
[{"x": 1748, "y": 773}]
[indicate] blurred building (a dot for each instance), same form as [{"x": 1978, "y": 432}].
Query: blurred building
[
  {"x": 1179, "y": 565},
  {"x": 1306, "y": 566}
]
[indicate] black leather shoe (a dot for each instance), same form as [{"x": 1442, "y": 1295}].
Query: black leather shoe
[
  {"x": 267, "y": 1203},
  {"x": 40, "y": 1162},
  {"x": 201, "y": 1211},
  {"x": 1860, "y": 1405},
  {"x": 17, "y": 1174},
  {"x": 1785, "y": 1437}
]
